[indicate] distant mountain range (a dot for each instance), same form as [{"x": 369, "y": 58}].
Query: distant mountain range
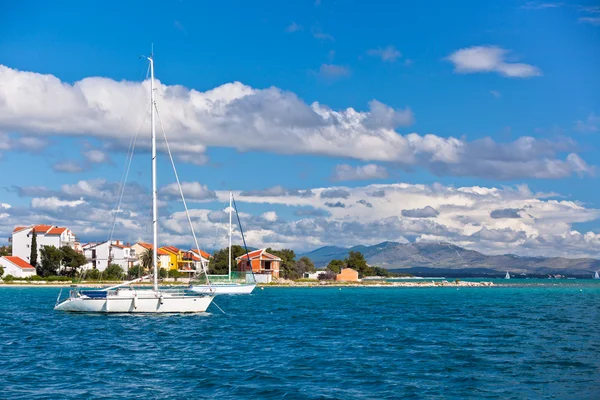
[{"x": 445, "y": 259}]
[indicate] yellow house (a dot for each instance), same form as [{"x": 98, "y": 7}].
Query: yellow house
[{"x": 179, "y": 260}]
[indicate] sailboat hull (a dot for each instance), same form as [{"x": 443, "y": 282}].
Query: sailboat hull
[
  {"x": 136, "y": 302},
  {"x": 224, "y": 288}
]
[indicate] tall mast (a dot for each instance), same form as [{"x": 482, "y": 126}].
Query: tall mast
[
  {"x": 230, "y": 210},
  {"x": 154, "y": 202}
]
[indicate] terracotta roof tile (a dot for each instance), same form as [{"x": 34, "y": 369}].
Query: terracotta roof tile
[
  {"x": 19, "y": 262},
  {"x": 56, "y": 231}
]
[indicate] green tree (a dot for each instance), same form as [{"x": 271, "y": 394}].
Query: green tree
[
  {"x": 93, "y": 274},
  {"x": 114, "y": 272},
  {"x": 288, "y": 268},
  {"x": 309, "y": 266},
  {"x": 1, "y": 271},
  {"x": 5, "y": 251},
  {"x": 72, "y": 260},
  {"x": 33, "y": 253},
  {"x": 162, "y": 273},
  {"x": 357, "y": 262},
  {"x": 219, "y": 264},
  {"x": 135, "y": 272},
  {"x": 51, "y": 257},
  {"x": 336, "y": 266},
  {"x": 146, "y": 259}
]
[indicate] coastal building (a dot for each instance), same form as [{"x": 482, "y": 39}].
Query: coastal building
[
  {"x": 164, "y": 258},
  {"x": 260, "y": 262},
  {"x": 101, "y": 255},
  {"x": 46, "y": 235},
  {"x": 314, "y": 275},
  {"x": 200, "y": 259},
  {"x": 347, "y": 275},
  {"x": 16, "y": 267}
]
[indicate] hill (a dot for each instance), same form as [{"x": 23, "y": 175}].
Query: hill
[{"x": 429, "y": 259}]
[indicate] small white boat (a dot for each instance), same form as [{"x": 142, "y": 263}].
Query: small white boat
[
  {"x": 229, "y": 286},
  {"x": 123, "y": 299},
  {"x": 507, "y": 276},
  {"x": 596, "y": 276}
]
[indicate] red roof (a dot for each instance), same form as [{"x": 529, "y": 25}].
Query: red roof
[
  {"x": 161, "y": 252},
  {"x": 19, "y": 262},
  {"x": 19, "y": 228},
  {"x": 171, "y": 249},
  {"x": 42, "y": 228},
  {"x": 56, "y": 231},
  {"x": 203, "y": 253},
  {"x": 145, "y": 245},
  {"x": 261, "y": 254}
]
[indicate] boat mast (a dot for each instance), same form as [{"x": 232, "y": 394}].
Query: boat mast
[
  {"x": 154, "y": 202},
  {"x": 230, "y": 197}
]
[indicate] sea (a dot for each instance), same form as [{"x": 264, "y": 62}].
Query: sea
[{"x": 527, "y": 339}]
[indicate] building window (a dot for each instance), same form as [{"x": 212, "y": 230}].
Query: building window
[{"x": 268, "y": 265}]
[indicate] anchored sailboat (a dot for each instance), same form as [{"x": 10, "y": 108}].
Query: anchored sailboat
[
  {"x": 596, "y": 276},
  {"x": 124, "y": 298},
  {"x": 229, "y": 286},
  {"x": 507, "y": 276}
]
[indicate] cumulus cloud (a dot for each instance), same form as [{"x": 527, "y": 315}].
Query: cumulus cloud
[
  {"x": 590, "y": 20},
  {"x": 425, "y": 212},
  {"x": 277, "y": 191},
  {"x": 192, "y": 191},
  {"x": 270, "y": 120},
  {"x": 96, "y": 156},
  {"x": 536, "y": 5},
  {"x": 335, "y": 194},
  {"x": 489, "y": 59},
  {"x": 270, "y": 216},
  {"x": 345, "y": 172},
  {"x": 506, "y": 213},
  {"x": 463, "y": 215},
  {"x": 388, "y": 53}
]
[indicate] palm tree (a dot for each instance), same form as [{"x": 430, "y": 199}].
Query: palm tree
[{"x": 146, "y": 259}]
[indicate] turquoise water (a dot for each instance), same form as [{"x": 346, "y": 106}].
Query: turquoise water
[{"x": 532, "y": 342}]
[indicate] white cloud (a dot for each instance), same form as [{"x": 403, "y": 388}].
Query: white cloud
[
  {"x": 270, "y": 216},
  {"x": 589, "y": 125},
  {"x": 67, "y": 166},
  {"x": 345, "y": 172},
  {"x": 6, "y": 206},
  {"x": 96, "y": 156},
  {"x": 389, "y": 53},
  {"x": 489, "y": 59},
  {"x": 294, "y": 27},
  {"x": 333, "y": 71},
  {"x": 193, "y": 191},
  {"x": 271, "y": 120},
  {"x": 535, "y": 5},
  {"x": 590, "y": 20},
  {"x": 479, "y": 218},
  {"x": 495, "y": 93},
  {"x": 54, "y": 202}
]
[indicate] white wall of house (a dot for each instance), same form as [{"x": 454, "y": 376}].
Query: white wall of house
[
  {"x": 21, "y": 242},
  {"x": 14, "y": 270},
  {"x": 98, "y": 255}
]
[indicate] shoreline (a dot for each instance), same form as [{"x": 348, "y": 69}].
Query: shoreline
[{"x": 278, "y": 285}]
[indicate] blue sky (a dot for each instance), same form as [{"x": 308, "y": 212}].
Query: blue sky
[{"x": 508, "y": 93}]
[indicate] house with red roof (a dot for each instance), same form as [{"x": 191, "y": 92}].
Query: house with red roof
[
  {"x": 16, "y": 267},
  {"x": 101, "y": 255},
  {"x": 46, "y": 235},
  {"x": 260, "y": 262},
  {"x": 201, "y": 259}
]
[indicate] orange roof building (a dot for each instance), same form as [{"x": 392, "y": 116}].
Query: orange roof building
[
  {"x": 16, "y": 267},
  {"x": 260, "y": 262}
]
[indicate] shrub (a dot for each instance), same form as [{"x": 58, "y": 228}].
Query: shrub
[
  {"x": 329, "y": 276},
  {"x": 114, "y": 271},
  {"x": 8, "y": 278},
  {"x": 35, "y": 278},
  {"x": 173, "y": 273},
  {"x": 92, "y": 274},
  {"x": 162, "y": 273}
]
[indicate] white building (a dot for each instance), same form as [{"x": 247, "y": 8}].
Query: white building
[
  {"x": 47, "y": 235},
  {"x": 100, "y": 255},
  {"x": 200, "y": 259},
  {"x": 16, "y": 267},
  {"x": 314, "y": 275}
]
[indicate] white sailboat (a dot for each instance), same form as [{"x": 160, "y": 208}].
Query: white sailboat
[
  {"x": 507, "y": 276},
  {"x": 124, "y": 298},
  {"x": 596, "y": 276},
  {"x": 229, "y": 286}
]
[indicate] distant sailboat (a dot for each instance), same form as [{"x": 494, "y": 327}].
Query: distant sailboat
[
  {"x": 507, "y": 276},
  {"x": 596, "y": 276}
]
